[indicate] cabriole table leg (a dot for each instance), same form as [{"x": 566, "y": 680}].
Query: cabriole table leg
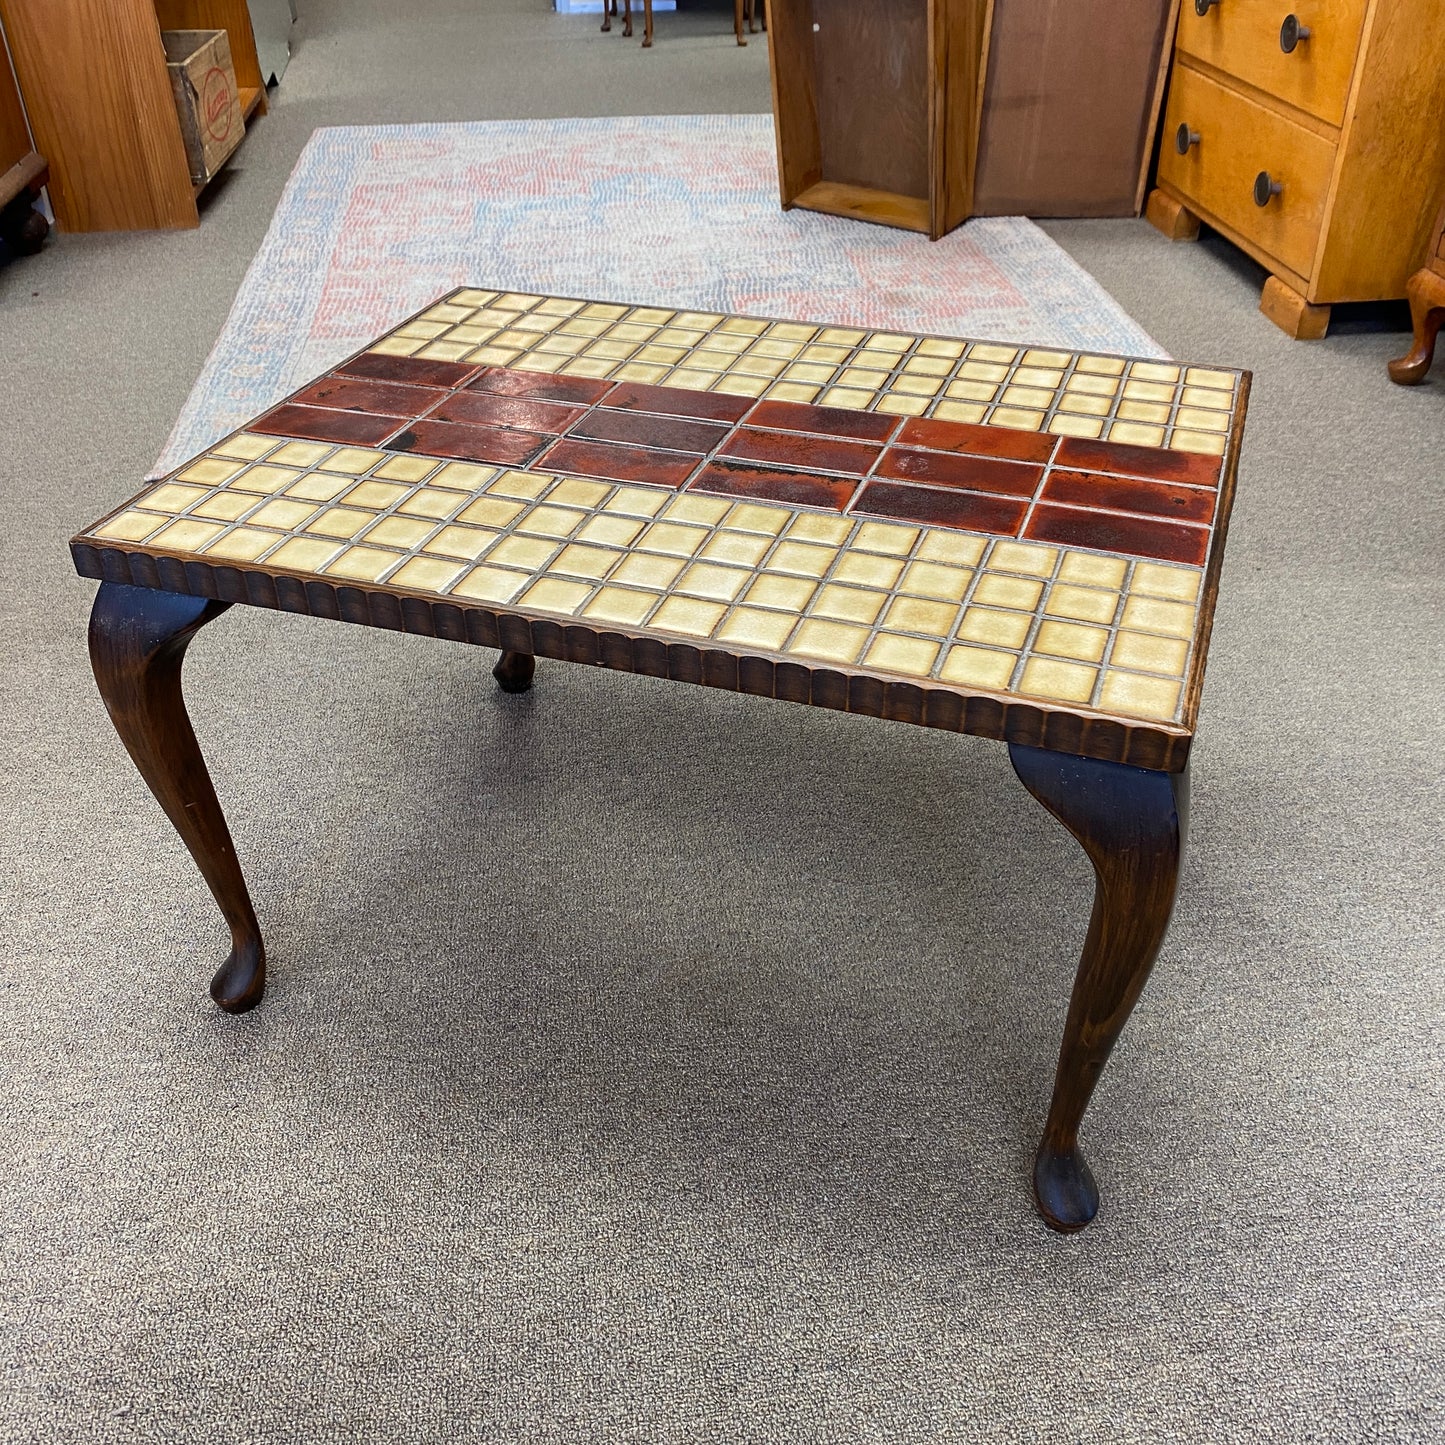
[
  {"x": 514, "y": 671},
  {"x": 1132, "y": 823},
  {"x": 138, "y": 640}
]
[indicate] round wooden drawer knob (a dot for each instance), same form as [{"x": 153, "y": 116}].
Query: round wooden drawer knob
[
  {"x": 1184, "y": 138},
  {"x": 1201, "y": 7},
  {"x": 1291, "y": 33},
  {"x": 1265, "y": 189}
]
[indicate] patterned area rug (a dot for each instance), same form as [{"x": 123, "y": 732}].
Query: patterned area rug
[{"x": 678, "y": 210}]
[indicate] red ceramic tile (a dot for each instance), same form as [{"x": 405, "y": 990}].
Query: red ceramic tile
[
  {"x": 941, "y": 507},
  {"x": 540, "y": 385},
  {"x": 384, "y": 398},
  {"x": 831, "y": 421},
  {"x": 975, "y": 474},
  {"x": 677, "y": 434},
  {"x": 413, "y": 369},
  {"x": 800, "y": 450},
  {"x": 774, "y": 484},
  {"x": 673, "y": 401},
  {"x": 1108, "y": 532},
  {"x": 978, "y": 441},
  {"x": 318, "y": 424},
  {"x": 504, "y": 446},
  {"x": 1126, "y": 494},
  {"x": 482, "y": 408},
  {"x": 617, "y": 463},
  {"x": 1192, "y": 467}
]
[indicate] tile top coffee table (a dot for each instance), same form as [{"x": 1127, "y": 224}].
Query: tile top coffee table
[{"x": 1012, "y": 541}]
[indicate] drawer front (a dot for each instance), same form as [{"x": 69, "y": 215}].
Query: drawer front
[
  {"x": 1246, "y": 38},
  {"x": 1237, "y": 139}
]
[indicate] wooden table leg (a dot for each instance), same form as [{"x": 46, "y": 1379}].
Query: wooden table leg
[
  {"x": 138, "y": 640},
  {"x": 646, "y": 23},
  {"x": 514, "y": 671},
  {"x": 1426, "y": 290},
  {"x": 738, "y": 21},
  {"x": 1132, "y": 823}
]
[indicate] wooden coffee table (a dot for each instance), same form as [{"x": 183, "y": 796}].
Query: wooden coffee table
[{"x": 1017, "y": 542}]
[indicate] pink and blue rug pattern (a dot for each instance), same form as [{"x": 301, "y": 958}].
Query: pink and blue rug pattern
[{"x": 376, "y": 221}]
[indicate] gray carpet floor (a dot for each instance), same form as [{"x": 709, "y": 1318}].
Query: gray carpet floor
[{"x": 646, "y": 1063}]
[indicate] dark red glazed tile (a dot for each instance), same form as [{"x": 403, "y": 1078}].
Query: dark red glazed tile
[
  {"x": 945, "y": 469},
  {"x": 940, "y": 507},
  {"x": 318, "y": 424},
  {"x": 774, "y": 484},
  {"x": 540, "y": 385},
  {"x": 800, "y": 450},
  {"x": 416, "y": 370},
  {"x": 1126, "y": 494},
  {"x": 618, "y": 463},
  {"x": 828, "y": 421},
  {"x": 1192, "y": 467},
  {"x": 385, "y": 398},
  {"x": 1133, "y": 536},
  {"x": 677, "y": 434},
  {"x": 481, "y": 408},
  {"x": 502, "y": 445},
  {"x": 673, "y": 401},
  {"x": 978, "y": 441}
]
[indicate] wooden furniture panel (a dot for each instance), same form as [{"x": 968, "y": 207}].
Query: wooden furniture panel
[
  {"x": 1367, "y": 85},
  {"x": 1239, "y": 139},
  {"x": 876, "y": 107},
  {"x": 1071, "y": 106},
  {"x": 1243, "y": 39},
  {"x": 93, "y": 74},
  {"x": 23, "y": 171}
]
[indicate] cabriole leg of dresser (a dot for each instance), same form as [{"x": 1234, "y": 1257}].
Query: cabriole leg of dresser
[
  {"x": 1172, "y": 217},
  {"x": 1427, "y": 312},
  {"x": 1292, "y": 313}
]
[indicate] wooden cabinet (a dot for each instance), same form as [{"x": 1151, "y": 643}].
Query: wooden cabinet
[
  {"x": 93, "y": 74},
  {"x": 876, "y": 107},
  {"x": 1313, "y": 138}
]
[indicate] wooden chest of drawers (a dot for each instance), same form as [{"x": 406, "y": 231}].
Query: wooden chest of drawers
[{"x": 1313, "y": 138}]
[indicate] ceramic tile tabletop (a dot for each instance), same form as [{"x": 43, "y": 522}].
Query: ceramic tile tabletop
[{"x": 1023, "y": 522}]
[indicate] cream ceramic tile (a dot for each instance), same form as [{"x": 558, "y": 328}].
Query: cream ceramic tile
[
  {"x": 363, "y": 564},
  {"x": 402, "y": 532},
  {"x": 1210, "y": 443},
  {"x": 549, "y": 521},
  {"x": 997, "y": 629},
  {"x": 465, "y": 542},
  {"x": 1149, "y": 411},
  {"x": 792, "y": 391},
  {"x": 753, "y": 628},
  {"x": 792, "y": 593},
  {"x": 1082, "y": 604},
  {"x": 431, "y": 502},
  {"x": 933, "y": 579},
  {"x": 828, "y": 641},
  {"x": 978, "y": 667},
  {"x": 283, "y": 515},
  {"x": 612, "y": 531},
  {"x": 995, "y": 590},
  {"x": 1146, "y": 653},
  {"x": 209, "y": 472},
  {"x": 243, "y": 544},
  {"x": 708, "y": 579},
  {"x": 1221, "y": 380},
  {"x": 1157, "y": 579},
  {"x": 266, "y": 478},
  {"x": 745, "y": 549},
  {"x": 1075, "y": 426},
  {"x": 1197, "y": 419},
  {"x": 1206, "y": 397},
  {"x": 965, "y": 411},
  {"x": 301, "y": 554},
  {"x": 695, "y": 507},
  {"x": 1136, "y": 434},
  {"x": 1135, "y": 696},
  {"x": 225, "y": 506},
  {"x": 957, "y": 549},
  {"x": 344, "y": 522},
  {"x": 1154, "y": 614},
  {"x": 169, "y": 497},
  {"x": 376, "y": 495},
  {"x": 187, "y": 535},
  {"x": 914, "y": 614},
  {"x": 821, "y": 528},
  {"x": 1062, "y": 681},
  {"x": 1016, "y": 419},
  {"x": 491, "y": 512},
  {"x": 672, "y": 538},
  {"x": 426, "y": 574},
  {"x": 1100, "y": 365},
  {"x": 321, "y": 487},
  {"x": 897, "y": 405},
  {"x": 886, "y": 537},
  {"x": 868, "y": 570},
  {"x": 574, "y": 492},
  {"x": 848, "y": 604},
  {"x": 300, "y": 454},
  {"x": 689, "y": 615},
  {"x": 580, "y": 561},
  {"x": 556, "y": 594},
  {"x": 989, "y": 351},
  {"x": 1154, "y": 371},
  {"x": 1083, "y": 382},
  {"x": 620, "y": 604},
  {"x": 912, "y": 656},
  {"x": 528, "y": 552},
  {"x": 490, "y": 584},
  {"x": 247, "y": 446},
  {"x": 1091, "y": 571},
  {"x": 1071, "y": 640},
  {"x": 637, "y": 501},
  {"x": 642, "y": 570},
  {"x": 752, "y": 517}
]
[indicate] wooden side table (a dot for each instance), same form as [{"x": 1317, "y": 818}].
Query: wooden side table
[
  {"x": 1018, "y": 542},
  {"x": 1426, "y": 290}
]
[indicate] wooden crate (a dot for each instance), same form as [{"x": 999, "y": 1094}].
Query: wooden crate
[{"x": 203, "y": 81}]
